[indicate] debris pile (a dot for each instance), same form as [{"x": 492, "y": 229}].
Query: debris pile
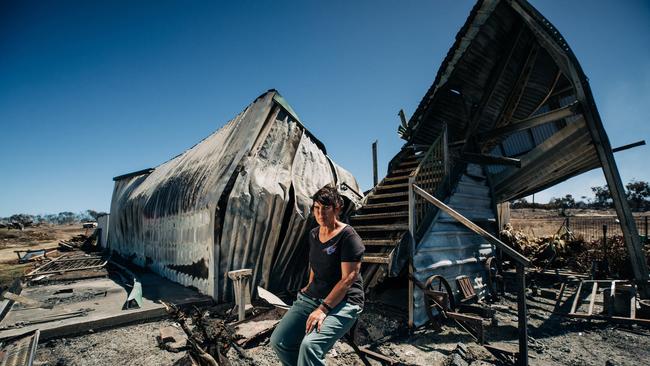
[
  {"x": 208, "y": 339},
  {"x": 573, "y": 253},
  {"x": 557, "y": 251},
  {"x": 81, "y": 241}
]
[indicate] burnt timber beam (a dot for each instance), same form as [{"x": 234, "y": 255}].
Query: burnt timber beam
[
  {"x": 582, "y": 165},
  {"x": 522, "y": 323},
  {"x": 549, "y": 94},
  {"x": 494, "y": 79},
  {"x": 520, "y": 86},
  {"x": 578, "y": 167},
  {"x": 629, "y": 146},
  {"x": 544, "y": 150},
  {"x": 531, "y": 122},
  {"x": 572, "y": 70},
  {"x": 487, "y": 159},
  {"x": 556, "y": 161}
]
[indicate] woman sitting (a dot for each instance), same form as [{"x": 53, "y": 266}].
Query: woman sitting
[{"x": 333, "y": 299}]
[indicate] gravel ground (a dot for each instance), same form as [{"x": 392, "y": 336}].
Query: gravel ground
[{"x": 130, "y": 345}]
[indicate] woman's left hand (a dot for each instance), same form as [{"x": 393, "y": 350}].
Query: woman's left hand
[{"x": 315, "y": 320}]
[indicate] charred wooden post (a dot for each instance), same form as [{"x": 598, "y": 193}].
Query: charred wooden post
[
  {"x": 411, "y": 208},
  {"x": 375, "y": 178},
  {"x": 241, "y": 284},
  {"x": 629, "y": 146},
  {"x": 605, "y": 242},
  {"x": 521, "y": 316}
]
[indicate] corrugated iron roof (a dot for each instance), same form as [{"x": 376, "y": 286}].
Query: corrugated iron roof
[{"x": 508, "y": 64}]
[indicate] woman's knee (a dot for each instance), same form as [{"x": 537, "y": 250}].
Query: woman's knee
[
  {"x": 275, "y": 339},
  {"x": 310, "y": 346}
]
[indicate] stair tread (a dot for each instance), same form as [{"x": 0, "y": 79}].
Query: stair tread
[
  {"x": 381, "y": 242},
  {"x": 406, "y": 170},
  {"x": 389, "y": 227},
  {"x": 390, "y": 179},
  {"x": 385, "y": 195},
  {"x": 392, "y": 186},
  {"x": 385, "y": 204},
  {"x": 409, "y": 163},
  {"x": 381, "y": 258},
  {"x": 380, "y": 215}
]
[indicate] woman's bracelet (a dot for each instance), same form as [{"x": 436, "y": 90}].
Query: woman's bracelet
[{"x": 329, "y": 308}]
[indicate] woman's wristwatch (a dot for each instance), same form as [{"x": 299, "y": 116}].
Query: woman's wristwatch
[{"x": 327, "y": 307}]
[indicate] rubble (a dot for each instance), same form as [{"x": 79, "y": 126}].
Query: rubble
[{"x": 568, "y": 252}]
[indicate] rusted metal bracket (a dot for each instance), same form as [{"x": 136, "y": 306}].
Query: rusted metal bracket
[{"x": 473, "y": 325}]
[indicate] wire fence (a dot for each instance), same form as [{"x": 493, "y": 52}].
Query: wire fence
[{"x": 590, "y": 227}]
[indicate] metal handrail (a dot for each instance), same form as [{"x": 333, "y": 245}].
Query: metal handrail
[
  {"x": 347, "y": 186},
  {"x": 520, "y": 259}
]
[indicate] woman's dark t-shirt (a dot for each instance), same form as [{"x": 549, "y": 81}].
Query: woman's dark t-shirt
[{"x": 325, "y": 260}]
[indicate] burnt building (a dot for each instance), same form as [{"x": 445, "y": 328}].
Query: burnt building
[{"x": 240, "y": 198}]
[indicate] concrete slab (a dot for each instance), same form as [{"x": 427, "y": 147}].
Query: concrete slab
[{"x": 90, "y": 304}]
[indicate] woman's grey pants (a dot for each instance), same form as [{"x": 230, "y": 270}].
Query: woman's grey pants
[{"x": 294, "y": 347}]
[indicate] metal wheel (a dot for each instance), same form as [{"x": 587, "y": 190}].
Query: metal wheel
[{"x": 438, "y": 296}]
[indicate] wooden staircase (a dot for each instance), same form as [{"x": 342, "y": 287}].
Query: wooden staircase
[{"x": 382, "y": 221}]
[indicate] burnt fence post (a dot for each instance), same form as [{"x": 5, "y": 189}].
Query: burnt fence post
[
  {"x": 605, "y": 241},
  {"x": 521, "y": 316}
]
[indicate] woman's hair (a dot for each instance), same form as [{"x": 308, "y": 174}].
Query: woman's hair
[{"x": 328, "y": 196}]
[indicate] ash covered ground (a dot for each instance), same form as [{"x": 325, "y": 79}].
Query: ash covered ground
[{"x": 553, "y": 340}]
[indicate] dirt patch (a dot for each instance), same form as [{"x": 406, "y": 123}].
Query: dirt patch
[
  {"x": 38, "y": 235},
  {"x": 28, "y": 236},
  {"x": 130, "y": 345},
  {"x": 10, "y": 271}
]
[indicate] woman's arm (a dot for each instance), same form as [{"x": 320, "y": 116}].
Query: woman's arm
[
  {"x": 311, "y": 278},
  {"x": 349, "y": 273}
]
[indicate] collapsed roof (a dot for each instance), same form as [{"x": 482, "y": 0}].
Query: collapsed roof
[
  {"x": 239, "y": 199},
  {"x": 511, "y": 85},
  {"x": 514, "y": 98}
]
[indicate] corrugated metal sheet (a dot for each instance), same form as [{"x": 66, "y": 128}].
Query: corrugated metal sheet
[
  {"x": 238, "y": 199},
  {"x": 517, "y": 143},
  {"x": 102, "y": 224},
  {"x": 451, "y": 250}
]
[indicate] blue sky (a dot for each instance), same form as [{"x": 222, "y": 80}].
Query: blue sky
[{"x": 94, "y": 89}]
